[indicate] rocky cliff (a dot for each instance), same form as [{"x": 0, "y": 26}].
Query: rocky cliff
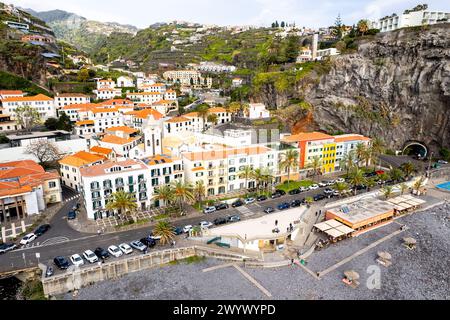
[{"x": 397, "y": 86}]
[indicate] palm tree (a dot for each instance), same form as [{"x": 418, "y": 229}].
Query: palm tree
[
  {"x": 418, "y": 184},
  {"x": 246, "y": 173},
  {"x": 357, "y": 178},
  {"x": 387, "y": 191},
  {"x": 370, "y": 183},
  {"x": 408, "y": 168},
  {"x": 183, "y": 193},
  {"x": 123, "y": 202},
  {"x": 363, "y": 26},
  {"x": 367, "y": 156},
  {"x": 164, "y": 194},
  {"x": 403, "y": 188},
  {"x": 199, "y": 191},
  {"x": 289, "y": 162},
  {"x": 360, "y": 151},
  {"x": 348, "y": 161},
  {"x": 258, "y": 176},
  {"x": 213, "y": 118},
  {"x": 309, "y": 200},
  {"x": 378, "y": 146},
  {"x": 203, "y": 112},
  {"x": 341, "y": 187},
  {"x": 315, "y": 164},
  {"x": 164, "y": 230},
  {"x": 267, "y": 178},
  {"x": 396, "y": 174}
]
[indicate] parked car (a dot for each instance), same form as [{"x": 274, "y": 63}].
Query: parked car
[
  {"x": 276, "y": 195},
  {"x": 90, "y": 256},
  {"x": 340, "y": 180},
  {"x": 328, "y": 191},
  {"x": 294, "y": 192},
  {"x": 49, "y": 272},
  {"x": 115, "y": 251},
  {"x": 303, "y": 189},
  {"x": 238, "y": 203},
  {"x": 5, "y": 247},
  {"x": 442, "y": 162},
  {"x": 209, "y": 210},
  {"x": 261, "y": 198},
  {"x": 220, "y": 221},
  {"x": 336, "y": 193},
  {"x": 206, "y": 224},
  {"x": 296, "y": 203},
  {"x": 187, "y": 228},
  {"x": 28, "y": 239},
  {"x": 178, "y": 231},
  {"x": 61, "y": 263},
  {"x": 234, "y": 219},
  {"x": 42, "y": 229},
  {"x": 250, "y": 200},
  {"x": 72, "y": 215},
  {"x": 138, "y": 245},
  {"x": 269, "y": 210},
  {"x": 319, "y": 197},
  {"x": 148, "y": 242},
  {"x": 284, "y": 206},
  {"x": 125, "y": 248},
  {"x": 77, "y": 260},
  {"x": 323, "y": 184},
  {"x": 282, "y": 192},
  {"x": 101, "y": 253},
  {"x": 314, "y": 187},
  {"x": 222, "y": 206}
]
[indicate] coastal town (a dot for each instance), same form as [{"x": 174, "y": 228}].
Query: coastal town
[{"x": 180, "y": 175}]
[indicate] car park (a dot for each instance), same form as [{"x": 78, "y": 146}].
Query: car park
[
  {"x": 238, "y": 203},
  {"x": 209, "y": 210},
  {"x": 77, "y": 260},
  {"x": 187, "y": 229},
  {"x": 220, "y": 221},
  {"x": 234, "y": 219},
  {"x": 101, "y": 253},
  {"x": 61, "y": 263},
  {"x": 138, "y": 245},
  {"x": 269, "y": 210},
  {"x": 49, "y": 272},
  {"x": 284, "y": 206},
  {"x": 319, "y": 197},
  {"x": 222, "y": 206},
  {"x": 28, "y": 239},
  {"x": 250, "y": 200},
  {"x": 90, "y": 256},
  {"x": 6, "y": 247},
  {"x": 261, "y": 198},
  {"x": 206, "y": 224},
  {"x": 296, "y": 203},
  {"x": 149, "y": 242},
  {"x": 314, "y": 187},
  {"x": 42, "y": 229},
  {"x": 72, "y": 215},
  {"x": 115, "y": 251}
]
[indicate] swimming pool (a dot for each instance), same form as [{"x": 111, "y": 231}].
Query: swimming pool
[{"x": 444, "y": 186}]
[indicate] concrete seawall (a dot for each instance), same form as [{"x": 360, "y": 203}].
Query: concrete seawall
[{"x": 76, "y": 279}]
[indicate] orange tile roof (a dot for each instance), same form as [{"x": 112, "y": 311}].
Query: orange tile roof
[
  {"x": 104, "y": 110},
  {"x": 198, "y": 169},
  {"x": 144, "y": 93},
  {"x": 351, "y": 137},
  {"x": 308, "y": 136},
  {"x": 144, "y": 114},
  {"x": 158, "y": 159},
  {"x": 101, "y": 150},
  {"x": 81, "y": 107},
  {"x": 72, "y": 95},
  {"x": 117, "y": 140},
  {"x": 164, "y": 102},
  {"x": 14, "y": 92},
  {"x": 102, "y": 169},
  {"x": 39, "y": 97},
  {"x": 224, "y": 153},
  {"x": 171, "y": 91},
  {"x": 217, "y": 110},
  {"x": 191, "y": 115},
  {"x": 84, "y": 122},
  {"x": 109, "y": 80},
  {"x": 114, "y": 102},
  {"x": 81, "y": 159},
  {"x": 178, "y": 120},
  {"x": 124, "y": 129}
]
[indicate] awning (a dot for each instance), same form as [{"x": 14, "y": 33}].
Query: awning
[
  {"x": 346, "y": 230},
  {"x": 334, "y": 233},
  {"x": 322, "y": 226},
  {"x": 333, "y": 223}
]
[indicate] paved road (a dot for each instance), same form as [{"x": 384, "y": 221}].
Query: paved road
[{"x": 62, "y": 240}]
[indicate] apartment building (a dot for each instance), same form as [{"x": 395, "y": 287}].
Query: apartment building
[
  {"x": 77, "y": 112},
  {"x": 11, "y": 94},
  {"x": 139, "y": 178},
  {"x": 44, "y": 105},
  {"x": 223, "y": 116},
  {"x": 122, "y": 146},
  {"x": 137, "y": 119},
  {"x": 6, "y": 124},
  {"x": 67, "y": 99},
  {"x": 70, "y": 167},
  {"x": 105, "y": 84},
  {"x": 347, "y": 143},
  {"x": 177, "y": 125},
  {"x": 106, "y": 94},
  {"x": 187, "y": 78},
  {"x": 125, "y": 82},
  {"x": 165, "y": 106},
  {"x": 26, "y": 189},
  {"x": 145, "y": 97},
  {"x": 154, "y": 87}
]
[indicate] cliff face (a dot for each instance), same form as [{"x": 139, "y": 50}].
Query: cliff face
[{"x": 396, "y": 87}]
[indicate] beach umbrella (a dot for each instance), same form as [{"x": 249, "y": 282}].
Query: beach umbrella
[
  {"x": 351, "y": 275},
  {"x": 410, "y": 240},
  {"x": 384, "y": 255}
]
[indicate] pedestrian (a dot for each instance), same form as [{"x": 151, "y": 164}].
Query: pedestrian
[
  {"x": 292, "y": 262},
  {"x": 320, "y": 212},
  {"x": 276, "y": 223}
]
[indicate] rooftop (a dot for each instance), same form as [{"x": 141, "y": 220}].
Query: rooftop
[
  {"x": 118, "y": 140},
  {"x": 101, "y": 150},
  {"x": 81, "y": 159},
  {"x": 307, "y": 136},
  {"x": 123, "y": 129},
  {"x": 105, "y": 168},
  {"x": 224, "y": 153},
  {"x": 39, "y": 97}
]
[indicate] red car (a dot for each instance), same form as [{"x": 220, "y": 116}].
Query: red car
[{"x": 380, "y": 172}]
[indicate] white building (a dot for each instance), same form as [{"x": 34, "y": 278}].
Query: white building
[
  {"x": 187, "y": 78},
  {"x": 4, "y": 94},
  {"x": 229, "y": 138},
  {"x": 237, "y": 82},
  {"x": 214, "y": 67},
  {"x": 67, "y": 99},
  {"x": 98, "y": 120},
  {"x": 125, "y": 82},
  {"x": 145, "y": 97},
  {"x": 106, "y": 84},
  {"x": 44, "y": 105},
  {"x": 258, "y": 111},
  {"x": 107, "y": 94}
]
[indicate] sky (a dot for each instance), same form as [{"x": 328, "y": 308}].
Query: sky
[{"x": 308, "y": 13}]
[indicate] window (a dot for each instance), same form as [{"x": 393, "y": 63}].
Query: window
[
  {"x": 52, "y": 184},
  {"x": 232, "y": 170}
]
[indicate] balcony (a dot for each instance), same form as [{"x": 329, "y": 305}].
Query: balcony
[
  {"x": 119, "y": 185},
  {"x": 96, "y": 188},
  {"x": 107, "y": 186},
  {"x": 143, "y": 197}
]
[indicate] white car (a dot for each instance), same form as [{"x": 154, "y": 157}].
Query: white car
[
  {"x": 115, "y": 251},
  {"x": 206, "y": 224},
  {"x": 28, "y": 239},
  {"x": 209, "y": 210},
  {"x": 249, "y": 200},
  {"x": 77, "y": 260},
  {"x": 126, "y": 249},
  {"x": 442, "y": 162},
  {"x": 323, "y": 184},
  {"x": 340, "y": 180},
  {"x": 188, "y": 228},
  {"x": 90, "y": 256},
  {"x": 314, "y": 187}
]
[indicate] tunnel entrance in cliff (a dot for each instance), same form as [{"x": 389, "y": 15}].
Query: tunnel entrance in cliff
[{"x": 415, "y": 149}]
